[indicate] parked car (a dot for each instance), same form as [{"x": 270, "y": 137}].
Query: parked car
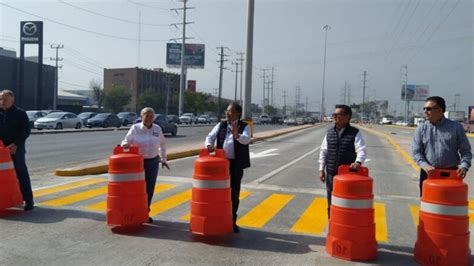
[
  {"x": 163, "y": 121},
  {"x": 277, "y": 120},
  {"x": 104, "y": 120},
  {"x": 187, "y": 118},
  {"x": 85, "y": 116},
  {"x": 174, "y": 119},
  {"x": 52, "y": 111},
  {"x": 386, "y": 121},
  {"x": 213, "y": 119},
  {"x": 58, "y": 120},
  {"x": 309, "y": 120},
  {"x": 291, "y": 121},
  {"x": 265, "y": 119},
  {"x": 127, "y": 117},
  {"x": 203, "y": 119},
  {"x": 34, "y": 115}
]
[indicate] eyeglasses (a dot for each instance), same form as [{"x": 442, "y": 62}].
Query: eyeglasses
[{"x": 429, "y": 108}]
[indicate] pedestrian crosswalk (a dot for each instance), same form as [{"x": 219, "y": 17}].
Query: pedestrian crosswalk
[{"x": 259, "y": 208}]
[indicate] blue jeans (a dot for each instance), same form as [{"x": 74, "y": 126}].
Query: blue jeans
[
  {"x": 329, "y": 182},
  {"x": 151, "y": 172},
  {"x": 22, "y": 173}
]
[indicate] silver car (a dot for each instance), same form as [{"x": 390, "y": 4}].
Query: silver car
[{"x": 59, "y": 120}]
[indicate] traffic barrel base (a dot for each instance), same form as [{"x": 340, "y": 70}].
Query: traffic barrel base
[{"x": 10, "y": 194}]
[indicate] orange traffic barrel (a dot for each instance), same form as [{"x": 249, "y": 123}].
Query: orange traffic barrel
[
  {"x": 10, "y": 194},
  {"x": 443, "y": 227},
  {"x": 351, "y": 234},
  {"x": 211, "y": 205},
  {"x": 126, "y": 191}
]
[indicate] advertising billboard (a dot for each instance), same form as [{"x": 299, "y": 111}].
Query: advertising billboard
[
  {"x": 192, "y": 85},
  {"x": 194, "y": 55},
  {"x": 415, "y": 92}
]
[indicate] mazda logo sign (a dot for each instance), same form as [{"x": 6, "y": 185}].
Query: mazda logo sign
[{"x": 30, "y": 28}]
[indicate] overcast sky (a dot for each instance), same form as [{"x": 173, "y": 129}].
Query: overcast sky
[{"x": 434, "y": 38}]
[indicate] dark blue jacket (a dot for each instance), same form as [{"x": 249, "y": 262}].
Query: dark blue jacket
[
  {"x": 242, "y": 154},
  {"x": 14, "y": 126},
  {"x": 341, "y": 150}
]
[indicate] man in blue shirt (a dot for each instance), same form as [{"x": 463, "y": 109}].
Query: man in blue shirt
[{"x": 440, "y": 142}]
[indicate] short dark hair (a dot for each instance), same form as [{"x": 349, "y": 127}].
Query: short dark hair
[
  {"x": 347, "y": 109},
  {"x": 440, "y": 102},
  {"x": 237, "y": 108}
]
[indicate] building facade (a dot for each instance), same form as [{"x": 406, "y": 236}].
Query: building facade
[{"x": 138, "y": 80}]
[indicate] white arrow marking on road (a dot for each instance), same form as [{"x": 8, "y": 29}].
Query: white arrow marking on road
[{"x": 262, "y": 154}]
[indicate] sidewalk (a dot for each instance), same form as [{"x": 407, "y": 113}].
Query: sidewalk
[{"x": 101, "y": 167}]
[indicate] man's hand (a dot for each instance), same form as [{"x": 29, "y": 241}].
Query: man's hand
[
  {"x": 12, "y": 147},
  {"x": 429, "y": 169},
  {"x": 462, "y": 172},
  {"x": 163, "y": 165},
  {"x": 355, "y": 166},
  {"x": 234, "y": 128},
  {"x": 125, "y": 146},
  {"x": 322, "y": 176},
  {"x": 211, "y": 148}
]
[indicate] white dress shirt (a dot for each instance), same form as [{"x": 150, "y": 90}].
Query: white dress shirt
[
  {"x": 228, "y": 145},
  {"x": 150, "y": 141},
  {"x": 359, "y": 145}
]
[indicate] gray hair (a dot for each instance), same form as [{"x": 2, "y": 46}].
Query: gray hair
[
  {"x": 147, "y": 110},
  {"x": 7, "y": 92}
]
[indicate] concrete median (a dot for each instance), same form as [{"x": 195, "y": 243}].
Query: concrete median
[{"x": 101, "y": 167}]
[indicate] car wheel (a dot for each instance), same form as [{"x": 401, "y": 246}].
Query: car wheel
[
  {"x": 78, "y": 125},
  {"x": 175, "y": 131},
  {"x": 118, "y": 125},
  {"x": 104, "y": 125},
  {"x": 59, "y": 126}
]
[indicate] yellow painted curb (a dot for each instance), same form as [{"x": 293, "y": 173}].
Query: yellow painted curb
[
  {"x": 397, "y": 147},
  {"x": 103, "y": 168}
]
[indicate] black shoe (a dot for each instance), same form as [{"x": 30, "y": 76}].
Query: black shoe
[
  {"x": 29, "y": 206},
  {"x": 236, "y": 228},
  {"x": 150, "y": 221}
]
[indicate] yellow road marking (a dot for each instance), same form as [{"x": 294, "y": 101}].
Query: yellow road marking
[
  {"x": 415, "y": 212},
  {"x": 264, "y": 212},
  {"x": 102, "y": 205},
  {"x": 314, "y": 220},
  {"x": 380, "y": 222},
  {"x": 76, "y": 197},
  {"x": 170, "y": 202},
  {"x": 243, "y": 195},
  {"x": 72, "y": 185}
]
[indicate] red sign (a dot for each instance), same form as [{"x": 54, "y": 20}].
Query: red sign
[{"x": 192, "y": 85}]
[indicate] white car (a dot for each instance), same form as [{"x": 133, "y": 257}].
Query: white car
[
  {"x": 203, "y": 119},
  {"x": 386, "y": 121},
  {"x": 187, "y": 118},
  {"x": 265, "y": 119},
  {"x": 59, "y": 120}
]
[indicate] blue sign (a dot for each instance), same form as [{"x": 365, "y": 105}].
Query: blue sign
[{"x": 193, "y": 55}]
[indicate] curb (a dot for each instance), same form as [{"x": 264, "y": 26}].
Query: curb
[
  {"x": 397, "y": 147},
  {"x": 102, "y": 166}
]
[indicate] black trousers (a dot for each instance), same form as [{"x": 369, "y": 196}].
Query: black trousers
[
  {"x": 151, "y": 172},
  {"x": 236, "y": 174},
  {"x": 22, "y": 173}
]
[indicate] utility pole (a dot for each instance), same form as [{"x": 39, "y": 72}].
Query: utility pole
[
  {"x": 272, "y": 81},
  {"x": 264, "y": 83},
  {"x": 182, "y": 82},
  {"x": 348, "y": 94},
  {"x": 345, "y": 93},
  {"x": 167, "y": 92},
  {"x": 284, "y": 102},
  {"x": 306, "y": 108},
  {"x": 221, "y": 72},
  {"x": 326, "y": 28},
  {"x": 236, "y": 77},
  {"x": 363, "y": 96},
  {"x": 297, "y": 100},
  {"x": 247, "y": 106},
  {"x": 241, "y": 61},
  {"x": 457, "y": 101},
  {"x": 405, "y": 92},
  {"x": 139, "y": 36},
  {"x": 56, "y": 87}
]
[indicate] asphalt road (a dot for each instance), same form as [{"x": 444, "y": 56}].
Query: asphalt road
[{"x": 283, "y": 215}]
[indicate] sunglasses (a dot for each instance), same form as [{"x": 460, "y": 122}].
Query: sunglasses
[{"x": 429, "y": 108}]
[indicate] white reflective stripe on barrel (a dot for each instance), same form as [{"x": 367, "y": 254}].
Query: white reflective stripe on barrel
[
  {"x": 6, "y": 166},
  {"x": 351, "y": 204},
  {"x": 444, "y": 209},
  {"x": 126, "y": 177},
  {"x": 211, "y": 183}
]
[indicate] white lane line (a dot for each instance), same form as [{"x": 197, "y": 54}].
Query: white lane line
[{"x": 278, "y": 170}]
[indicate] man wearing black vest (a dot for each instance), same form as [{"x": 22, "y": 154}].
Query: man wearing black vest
[
  {"x": 233, "y": 136},
  {"x": 342, "y": 145}
]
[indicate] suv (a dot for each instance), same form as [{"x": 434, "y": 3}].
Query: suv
[
  {"x": 265, "y": 119},
  {"x": 127, "y": 117},
  {"x": 187, "y": 118}
]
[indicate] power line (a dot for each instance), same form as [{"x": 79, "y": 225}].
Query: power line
[{"x": 144, "y": 5}]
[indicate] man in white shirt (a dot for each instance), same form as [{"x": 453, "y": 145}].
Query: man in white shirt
[
  {"x": 342, "y": 145},
  {"x": 232, "y": 135},
  {"x": 149, "y": 138}
]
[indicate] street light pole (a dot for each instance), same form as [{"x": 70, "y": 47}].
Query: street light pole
[{"x": 326, "y": 28}]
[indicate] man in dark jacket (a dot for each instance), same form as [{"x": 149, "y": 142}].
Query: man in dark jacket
[
  {"x": 14, "y": 130},
  {"x": 232, "y": 135},
  {"x": 342, "y": 145}
]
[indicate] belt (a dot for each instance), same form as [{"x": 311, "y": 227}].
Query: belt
[{"x": 152, "y": 159}]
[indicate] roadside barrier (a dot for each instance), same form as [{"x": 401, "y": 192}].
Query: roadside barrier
[
  {"x": 351, "y": 233},
  {"x": 10, "y": 195},
  {"x": 443, "y": 228},
  {"x": 126, "y": 198},
  {"x": 211, "y": 206}
]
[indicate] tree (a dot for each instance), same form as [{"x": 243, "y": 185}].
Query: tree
[
  {"x": 98, "y": 92},
  {"x": 151, "y": 98},
  {"x": 117, "y": 97}
]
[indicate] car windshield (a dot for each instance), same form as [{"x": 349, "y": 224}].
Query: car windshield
[
  {"x": 187, "y": 114},
  {"x": 31, "y": 114},
  {"x": 122, "y": 114},
  {"x": 54, "y": 115},
  {"x": 84, "y": 115},
  {"x": 101, "y": 116}
]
